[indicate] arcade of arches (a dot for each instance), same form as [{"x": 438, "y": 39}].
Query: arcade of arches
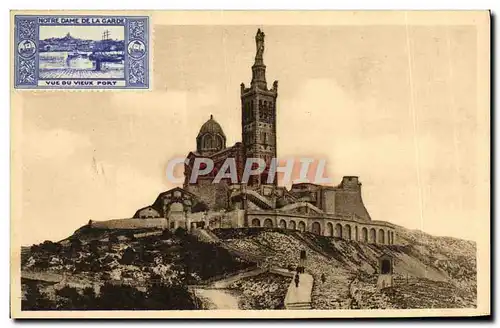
[{"x": 347, "y": 230}]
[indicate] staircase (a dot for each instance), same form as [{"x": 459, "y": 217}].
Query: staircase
[
  {"x": 299, "y": 306},
  {"x": 299, "y": 298},
  {"x": 206, "y": 236},
  {"x": 256, "y": 198},
  {"x": 310, "y": 244}
]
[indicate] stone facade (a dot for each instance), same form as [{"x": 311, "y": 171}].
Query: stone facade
[{"x": 336, "y": 211}]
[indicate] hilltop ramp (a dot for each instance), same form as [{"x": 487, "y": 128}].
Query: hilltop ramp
[{"x": 299, "y": 298}]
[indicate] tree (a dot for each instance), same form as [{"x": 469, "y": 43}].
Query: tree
[
  {"x": 120, "y": 297},
  {"x": 71, "y": 299},
  {"x": 89, "y": 299},
  {"x": 166, "y": 234},
  {"x": 113, "y": 239},
  {"x": 129, "y": 256},
  {"x": 180, "y": 232},
  {"x": 94, "y": 246},
  {"x": 130, "y": 236},
  {"x": 75, "y": 245},
  {"x": 34, "y": 299},
  {"x": 35, "y": 248},
  {"x": 50, "y": 247},
  {"x": 165, "y": 297}
]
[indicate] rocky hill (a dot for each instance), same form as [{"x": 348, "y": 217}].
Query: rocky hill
[
  {"x": 94, "y": 268},
  {"x": 430, "y": 265}
]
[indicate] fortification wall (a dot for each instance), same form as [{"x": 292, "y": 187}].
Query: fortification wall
[
  {"x": 130, "y": 224},
  {"x": 328, "y": 200},
  {"x": 214, "y": 195},
  {"x": 350, "y": 202}
]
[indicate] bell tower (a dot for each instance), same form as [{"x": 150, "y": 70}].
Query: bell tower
[{"x": 258, "y": 119}]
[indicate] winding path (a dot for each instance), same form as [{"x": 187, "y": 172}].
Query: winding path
[{"x": 299, "y": 298}]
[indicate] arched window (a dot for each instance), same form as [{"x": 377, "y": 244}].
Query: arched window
[
  {"x": 292, "y": 225},
  {"x": 329, "y": 229},
  {"x": 302, "y": 226},
  {"x": 220, "y": 142},
  {"x": 338, "y": 231},
  {"x": 364, "y": 235},
  {"x": 268, "y": 223},
  {"x": 356, "y": 236},
  {"x": 347, "y": 232},
  {"x": 207, "y": 141},
  {"x": 283, "y": 224},
  {"x": 255, "y": 223},
  {"x": 373, "y": 235},
  {"x": 381, "y": 236}
]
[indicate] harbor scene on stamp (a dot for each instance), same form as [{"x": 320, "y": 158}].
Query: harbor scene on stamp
[{"x": 91, "y": 52}]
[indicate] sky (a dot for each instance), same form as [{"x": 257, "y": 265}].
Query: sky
[
  {"x": 81, "y": 32},
  {"x": 395, "y": 105}
]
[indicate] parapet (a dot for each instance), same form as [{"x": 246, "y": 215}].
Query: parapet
[{"x": 350, "y": 182}]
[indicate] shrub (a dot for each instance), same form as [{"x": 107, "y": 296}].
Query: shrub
[
  {"x": 180, "y": 232},
  {"x": 75, "y": 245},
  {"x": 123, "y": 297},
  {"x": 94, "y": 246},
  {"x": 166, "y": 234},
  {"x": 120, "y": 297},
  {"x": 163, "y": 297},
  {"x": 34, "y": 299},
  {"x": 50, "y": 247},
  {"x": 129, "y": 256},
  {"x": 70, "y": 299},
  {"x": 130, "y": 236}
]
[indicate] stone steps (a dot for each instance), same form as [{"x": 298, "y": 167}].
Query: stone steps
[{"x": 299, "y": 306}]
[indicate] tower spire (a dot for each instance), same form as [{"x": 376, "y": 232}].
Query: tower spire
[
  {"x": 258, "y": 68},
  {"x": 258, "y": 114},
  {"x": 259, "y": 41}
]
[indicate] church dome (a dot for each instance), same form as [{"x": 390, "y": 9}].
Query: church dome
[
  {"x": 211, "y": 126},
  {"x": 211, "y": 138}
]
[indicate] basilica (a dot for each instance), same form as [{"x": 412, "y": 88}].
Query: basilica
[{"x": 336, "y": 211}]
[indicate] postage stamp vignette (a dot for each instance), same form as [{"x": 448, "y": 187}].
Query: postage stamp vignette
[{"x": 81, "y": 52}]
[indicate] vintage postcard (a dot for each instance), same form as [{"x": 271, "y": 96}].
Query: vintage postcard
[{"x": 279, "y": 164}]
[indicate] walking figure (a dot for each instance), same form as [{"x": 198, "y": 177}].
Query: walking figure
[
  {"x": 323, "y": 278},
  {"x": 297, "y": 280}
]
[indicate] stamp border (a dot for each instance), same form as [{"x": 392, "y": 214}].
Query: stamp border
[{"x": 128, "y": 61}]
